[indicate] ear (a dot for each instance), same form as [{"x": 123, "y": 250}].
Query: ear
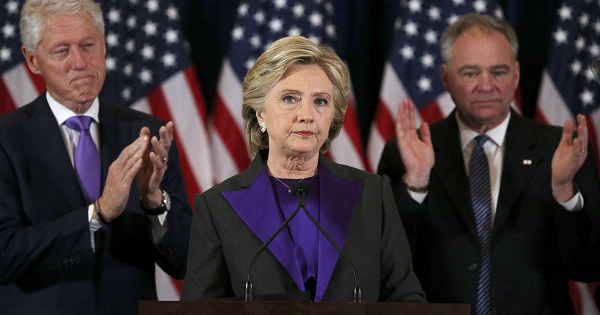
[
  {"x": 31, "y": 60},
  {"x": 444, "y": 75},
  {"x": 259, "y": 116}
]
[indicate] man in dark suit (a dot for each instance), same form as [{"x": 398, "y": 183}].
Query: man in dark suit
[
  {"x": 81, "y": 230},
  {"x": 498, "y": 243}
]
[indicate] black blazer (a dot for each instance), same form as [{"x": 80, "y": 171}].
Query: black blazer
[
  {"x": 222, "y": 243},
  {"x": 529, "y": 234},
  {"x": 47, "y": 265}
]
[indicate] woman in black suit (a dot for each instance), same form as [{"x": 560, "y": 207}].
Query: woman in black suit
[{"x": 295, "y": 98}]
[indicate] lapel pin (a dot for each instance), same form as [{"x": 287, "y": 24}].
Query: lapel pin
[{"x": 526, "y": 162}]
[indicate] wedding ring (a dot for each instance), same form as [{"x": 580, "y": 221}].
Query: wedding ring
[{"x": 164, "y": 159}]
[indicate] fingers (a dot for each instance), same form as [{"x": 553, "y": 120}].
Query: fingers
[
  {"x": 121, "y": 174},
  {"x": 582, "y": 133},
  {"x": 405, "y": 118},
  {"x": 425, "y": 133},
  {"x": 567, "y": 134},
  {"x": 130, "y": 160}
]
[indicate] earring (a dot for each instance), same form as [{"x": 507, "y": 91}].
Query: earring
[{"x": 263, "y": 127}]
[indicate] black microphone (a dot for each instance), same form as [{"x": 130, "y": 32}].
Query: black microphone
[
  {"x": 249, "y": 292},
  {"x": 596, "y": 69},
  {"x": 301, "y": 189}
]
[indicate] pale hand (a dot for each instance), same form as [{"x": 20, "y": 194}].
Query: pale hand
[
  {"x": 154, "y": 166},
  {"x": 121, "y": 174},
  {"x": 568, "y": 158},
  {"x": 416, "y": 152}
]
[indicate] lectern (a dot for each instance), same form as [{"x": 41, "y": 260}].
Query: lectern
[{"x": 298, "y": 308}]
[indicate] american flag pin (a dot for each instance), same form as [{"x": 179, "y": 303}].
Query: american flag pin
[{"x": 526, "y": 162}]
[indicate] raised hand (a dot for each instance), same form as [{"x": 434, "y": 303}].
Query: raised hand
[
  {"x": 416, "y": 151},
  {"x": 121, "y": 174},
  {"x": 568, "y": 158},
  {"x": 155, "y": 166}
]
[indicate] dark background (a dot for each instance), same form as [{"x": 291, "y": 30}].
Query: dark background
[{"x": 365, "y": 34}]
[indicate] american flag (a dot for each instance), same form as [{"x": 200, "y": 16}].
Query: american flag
[
  {"x": 258, "y": 24},
  {"x": 413, "y": 68},
  {"x": 568, "y": 88},
  {"x": 148, "y": 68}
]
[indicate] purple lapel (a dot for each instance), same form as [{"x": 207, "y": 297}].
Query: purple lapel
[
  {"x": 256, "y": 207},
  {"x": 339, "y": 198}
]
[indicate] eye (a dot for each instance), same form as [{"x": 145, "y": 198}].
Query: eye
[
  {"x": 289, "y": 99},
  {"x": 60, "y": 51},
  {"x": 321, "y": 102},
  {"x": 499, "y": 73},
  {"x": 469, "y": 74}
]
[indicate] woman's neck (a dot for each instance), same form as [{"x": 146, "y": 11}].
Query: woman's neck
[{"x": 291, "y": 167}]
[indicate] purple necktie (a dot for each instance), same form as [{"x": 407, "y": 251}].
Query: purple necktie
[{"x": 87, "y": 159}]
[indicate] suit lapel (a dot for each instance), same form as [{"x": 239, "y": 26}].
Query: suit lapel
[
  {"x": 254, "y": 205},
  {"x": 339, "y": 199},
  {"x": 520, "y": 162},
  {"x": 450, "y": 168},
  {"x": 43, "y": 130}
]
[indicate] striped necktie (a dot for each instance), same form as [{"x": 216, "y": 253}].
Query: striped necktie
[{"x": 479, "y": 185}]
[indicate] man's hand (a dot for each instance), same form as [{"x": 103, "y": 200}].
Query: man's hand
[
  {"x": 568, "y": 158},
  {"x": 417, "y": 153},
  {"x": 155, "y": 166},
  {"x": 121, "y": 174}
]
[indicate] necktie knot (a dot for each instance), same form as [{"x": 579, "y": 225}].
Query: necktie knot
[
  {"x": 79, "y": 123},
  {"x": 481, "y": 140}
]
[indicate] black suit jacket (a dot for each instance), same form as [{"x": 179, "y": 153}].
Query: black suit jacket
[
  {"x": 222, "y": 244},
  {"x": 530, "y": 236},
  {"x": 47, "y": 265}
]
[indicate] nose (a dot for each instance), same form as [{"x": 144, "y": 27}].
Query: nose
[
  {"x": 77, "y": 58},
  {"x": 485, "y": 82},
  {"x": 305, "y": 112}
]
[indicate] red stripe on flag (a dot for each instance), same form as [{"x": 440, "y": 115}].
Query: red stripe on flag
[
  {"x": 385, "y": 122},
  {"x": 7, "y": 104},
  {"x": 193, "y": 83},
  {"x": 351, "y": 128},
  {"x": 159, "y": 108},
  {"x": 231, "y": 134},
  {"x": 431, "y": 113}
]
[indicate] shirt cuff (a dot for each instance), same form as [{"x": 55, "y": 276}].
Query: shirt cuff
[{"x": 574, "y": 204}]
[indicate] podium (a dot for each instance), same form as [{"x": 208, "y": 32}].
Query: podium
[{"x": 297, "y": 308}]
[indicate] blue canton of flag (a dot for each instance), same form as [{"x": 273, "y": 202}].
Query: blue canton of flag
[
  {"x": 10, "y": 45},
  {"x": 145, "y": 46},
  {"x": 260, "y": 23},
  {"x": 416, "y": 54},
  {"x": 575, "y": 43}
]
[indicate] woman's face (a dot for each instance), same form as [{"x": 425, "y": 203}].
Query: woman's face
[{"x": 298, "y": 112}]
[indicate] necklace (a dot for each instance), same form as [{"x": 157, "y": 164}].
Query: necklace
[{"x": 289, "y": 189}]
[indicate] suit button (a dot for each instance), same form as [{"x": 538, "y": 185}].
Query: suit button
[{"x": 472, "y": 267}]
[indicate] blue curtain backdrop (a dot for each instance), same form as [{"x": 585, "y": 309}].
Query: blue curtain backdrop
[{"x": 365, "y": 32}]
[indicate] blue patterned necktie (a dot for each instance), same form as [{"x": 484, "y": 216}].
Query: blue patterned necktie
[
  {"x": 481, "y": 199},
  {"x": 86, "y": 157}
]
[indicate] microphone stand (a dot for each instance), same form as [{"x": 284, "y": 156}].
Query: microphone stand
[
  {"x": 357, "y": 296},
  {"x": 249, "y": 292}
]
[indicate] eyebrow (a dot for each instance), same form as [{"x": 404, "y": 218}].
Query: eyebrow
[
  {"x": 317, "y": 94},
  {"x": 474, "y": 67}
]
